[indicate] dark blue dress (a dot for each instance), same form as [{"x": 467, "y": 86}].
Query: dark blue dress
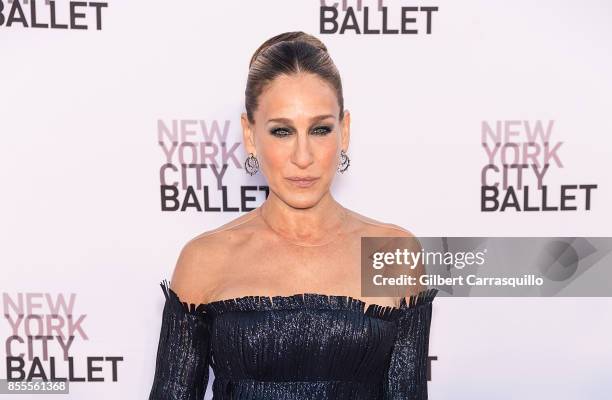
[{"x": 301, "y": 347}]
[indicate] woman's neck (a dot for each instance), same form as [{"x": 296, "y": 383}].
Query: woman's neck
[{"x": 311, "y": 226}]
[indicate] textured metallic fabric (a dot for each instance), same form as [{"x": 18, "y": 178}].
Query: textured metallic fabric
[{"x": 307, "y": 346}]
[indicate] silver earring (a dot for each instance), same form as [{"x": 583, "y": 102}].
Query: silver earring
[
  {"x": 345, "y": 161},
  {"x": 251, "y": 164}
]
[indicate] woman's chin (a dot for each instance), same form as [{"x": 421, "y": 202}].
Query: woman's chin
[{"x": 302, "y": 200}]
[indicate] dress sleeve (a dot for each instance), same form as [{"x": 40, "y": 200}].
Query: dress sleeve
[
  {"x": 181, "y": 370},
  {"x": 406, "y": 378}
]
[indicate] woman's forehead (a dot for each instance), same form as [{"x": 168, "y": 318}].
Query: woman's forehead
[{"x": 297, "y": 97}]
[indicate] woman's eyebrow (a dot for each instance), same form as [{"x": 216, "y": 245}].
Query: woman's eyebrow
[{"x": 288, "y": 121}]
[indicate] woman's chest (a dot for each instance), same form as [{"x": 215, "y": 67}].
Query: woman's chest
[
  {"x": 276, "y": 269},
  {"x": 267, "y": 267},
  {"x": 311, "y": 337}
]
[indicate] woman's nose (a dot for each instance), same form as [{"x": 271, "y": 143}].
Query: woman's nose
[{"x": 302, "y": 153}]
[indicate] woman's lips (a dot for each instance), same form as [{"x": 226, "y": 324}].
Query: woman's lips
[{"x": 303, "y": 183}]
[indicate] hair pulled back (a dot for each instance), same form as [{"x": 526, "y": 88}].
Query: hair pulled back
[{"x": 290, "y": 53}]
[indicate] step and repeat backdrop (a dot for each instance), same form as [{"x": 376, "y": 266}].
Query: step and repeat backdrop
[{"x": 121, "y": 140}]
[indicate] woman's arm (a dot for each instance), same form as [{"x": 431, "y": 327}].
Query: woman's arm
[
  {"x": 406, "y": 377},
  {"x": 181, "y": 371}
]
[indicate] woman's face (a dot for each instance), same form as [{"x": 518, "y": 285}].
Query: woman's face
[{"x": 297, "y": 134}]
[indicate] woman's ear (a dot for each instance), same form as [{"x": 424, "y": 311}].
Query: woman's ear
[
  {"x": 247, "y": 134},
  {"x": 346, "y": 130}
]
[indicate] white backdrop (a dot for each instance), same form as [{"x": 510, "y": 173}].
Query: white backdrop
[{"x": 81, "y": 204}]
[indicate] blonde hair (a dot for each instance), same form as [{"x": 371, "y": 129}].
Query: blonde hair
[{"x": 290, "y": 53}]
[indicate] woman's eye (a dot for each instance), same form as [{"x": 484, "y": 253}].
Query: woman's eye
[
  {"x": 321, "y": 130},
  {"x": 280, "y": 132}
]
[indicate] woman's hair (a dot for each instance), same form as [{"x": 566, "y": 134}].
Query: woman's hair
[{"x": 289, "y": 53}]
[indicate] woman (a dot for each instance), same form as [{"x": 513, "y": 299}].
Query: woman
[{"x": 278, "y": 312}]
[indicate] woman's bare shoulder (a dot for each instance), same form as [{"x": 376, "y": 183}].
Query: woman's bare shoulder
[
  {"x": 372, "y": 227},
  {"x": 202, "y": 259}
]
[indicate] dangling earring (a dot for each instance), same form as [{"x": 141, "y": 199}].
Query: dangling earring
[
  {"x": 251, "y": 164},
  {"x": 345, "y": 161}
]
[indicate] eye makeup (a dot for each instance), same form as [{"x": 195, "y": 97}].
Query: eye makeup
[{"x": 320, "y": 130}]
